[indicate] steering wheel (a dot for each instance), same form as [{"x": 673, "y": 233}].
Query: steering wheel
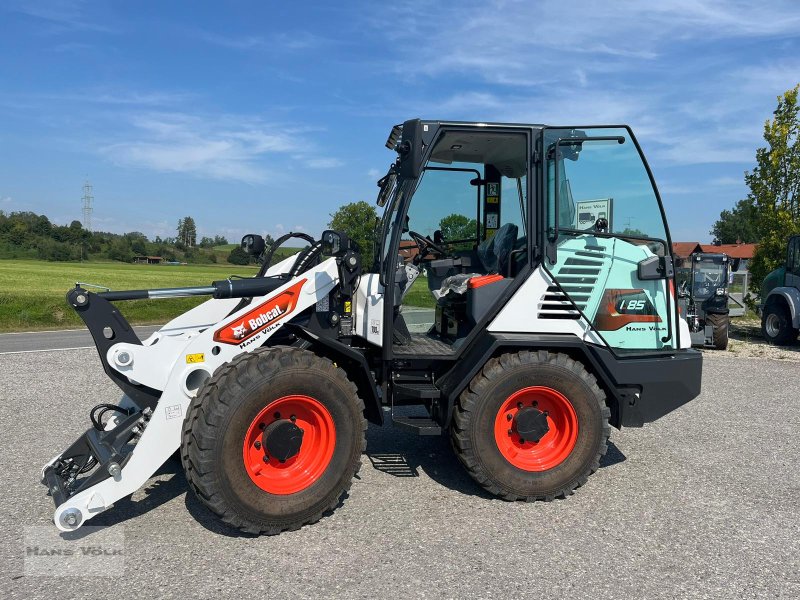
[{"x": 424, "y": 242}]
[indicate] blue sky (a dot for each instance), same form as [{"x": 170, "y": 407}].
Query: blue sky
[{"x": 268, "y": 115}]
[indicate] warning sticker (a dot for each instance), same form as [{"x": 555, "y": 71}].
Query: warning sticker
[
  {"x": 195, "y": 358},
  {"x": 492, "y": 221},
  {"x": 492, "y": 189},
  {"x": 348, "y": 307},
  {"x": 173, "y": 412}
]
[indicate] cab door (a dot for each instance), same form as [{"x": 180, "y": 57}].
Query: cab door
[{"x": 607, "y": 243}]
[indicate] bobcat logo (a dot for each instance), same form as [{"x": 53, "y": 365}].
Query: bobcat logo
[{"x": 239, "y": 331}]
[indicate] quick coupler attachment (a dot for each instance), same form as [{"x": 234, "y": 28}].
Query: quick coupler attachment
[{"x": 95, "y": 456}]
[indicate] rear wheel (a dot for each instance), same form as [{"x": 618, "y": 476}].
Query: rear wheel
[
  {"x": 720, "y": 323},
  {"x": 273, "y": 440},
  {"x": 531, "y": 426},
  {"x": 776, "y": 324}
]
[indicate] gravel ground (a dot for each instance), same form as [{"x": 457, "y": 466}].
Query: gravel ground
[
  {"x": 701, "y": 504},
  {"x": 745, "y": 340}
]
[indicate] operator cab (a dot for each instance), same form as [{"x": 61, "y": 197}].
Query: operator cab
[{"x": 464, "y": 239}]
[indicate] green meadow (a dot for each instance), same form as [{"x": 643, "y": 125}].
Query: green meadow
[{"x": 32, "y": 292}]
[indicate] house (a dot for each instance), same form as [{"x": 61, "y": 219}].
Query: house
[
  {"x": 147, "y": 260},
  {"x": 744, "y": 252},
  {"x": 408, "y": 249},
  {"x": 682, "y": 250}
]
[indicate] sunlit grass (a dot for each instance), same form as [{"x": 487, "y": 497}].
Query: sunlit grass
[{"x": 32, "y": 293}]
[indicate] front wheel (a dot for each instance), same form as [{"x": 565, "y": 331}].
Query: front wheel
[
  {"x": 531, "y": 426},
  {"x": 273, "y": 439},
  {"x": 776, "y": 324},
  {"x": 720, "y": 325}
]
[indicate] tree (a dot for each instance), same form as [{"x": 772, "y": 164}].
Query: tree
[
  {"x": 633, "y": 232},
  {"x": 187, "y": 232},
  {"x": 775, "y": 187},
  {"x": 458, "y": 227},
  {"x": 120, "y": 249},
  {"x": 357, "y": 220},
  {"x": 737, "y": 225},
  {"x": 238, "y": 257}
]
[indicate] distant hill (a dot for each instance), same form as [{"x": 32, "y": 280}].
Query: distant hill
[{"x": 26, "y": 235}]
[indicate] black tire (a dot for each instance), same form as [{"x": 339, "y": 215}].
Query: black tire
[
  {"x": 721, "y": 324},
  {"x": 473, "y": 433},
  {"x": 218, "y": 419},
  {"x": 776, "y": 324}
]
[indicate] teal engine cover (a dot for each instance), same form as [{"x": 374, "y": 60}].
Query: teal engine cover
[{"x": 601, "y": 277}]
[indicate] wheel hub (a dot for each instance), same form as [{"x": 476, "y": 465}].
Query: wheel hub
[
  {"x": 531, "y": 424},
  {"x": 536, "y": 428},
  {"x": 286, "y": 456},
  {"x": 282, "y": 440}
]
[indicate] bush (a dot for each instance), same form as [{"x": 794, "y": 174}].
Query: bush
[
  {"x": 239, "y": 257},
  {"x": 48, "y": 249}
]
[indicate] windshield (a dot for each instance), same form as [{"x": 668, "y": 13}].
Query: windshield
[
  {"x": 708, "y": 275},
  {"x": 602, "y": 184}
]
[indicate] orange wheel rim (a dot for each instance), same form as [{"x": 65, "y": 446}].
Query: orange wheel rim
[
  {"x": 547, "y": 418},
  {"x": 310, "y": 428}
]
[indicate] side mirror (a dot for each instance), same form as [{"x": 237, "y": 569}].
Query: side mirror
[
  {"x": 735, "y": 264},
  {"x": 253, "y": 244},
  {"x": 437, "y": 237}
]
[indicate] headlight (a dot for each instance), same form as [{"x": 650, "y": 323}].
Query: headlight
[{"x": 721, "y": 291}]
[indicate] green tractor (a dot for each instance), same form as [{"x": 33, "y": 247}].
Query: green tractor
[
  {"x": 703, "y": 298},
  {"x": 780, "y": 296}
]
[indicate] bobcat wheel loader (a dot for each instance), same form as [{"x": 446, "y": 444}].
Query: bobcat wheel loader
[{"x": 529, "y": 333}]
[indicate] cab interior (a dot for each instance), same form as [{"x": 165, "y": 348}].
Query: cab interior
[{"x": 464, "y": 239}]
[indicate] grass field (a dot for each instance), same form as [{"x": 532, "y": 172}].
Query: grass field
[
  {"x": 32, "y": 292},
  {"x": 419, "y": 295}
]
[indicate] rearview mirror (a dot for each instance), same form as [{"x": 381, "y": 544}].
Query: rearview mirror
[{"x": 253, "y": 244}]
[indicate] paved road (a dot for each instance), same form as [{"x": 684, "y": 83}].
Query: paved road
[
  {"x": 34, "y": 341},
  {"x": 704, "y": 503}
]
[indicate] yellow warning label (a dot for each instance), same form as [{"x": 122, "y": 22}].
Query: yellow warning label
[
  {"x": 492, "y": 199},
  {"x": 195, "y": 358},
  {"x": 348, "y": 307}
]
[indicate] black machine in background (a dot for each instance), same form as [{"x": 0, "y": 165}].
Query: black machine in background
[{"x": 703, "y": 298}]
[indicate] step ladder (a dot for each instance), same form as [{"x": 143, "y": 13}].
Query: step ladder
[{"x": 416, "y": 390}]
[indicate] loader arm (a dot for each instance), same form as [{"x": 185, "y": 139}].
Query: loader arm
[{"x": 160, "y": 376}]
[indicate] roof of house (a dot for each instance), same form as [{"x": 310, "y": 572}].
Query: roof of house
[
  {"x": 733, "y": 250},
  {"x": 686, "y": 248}
]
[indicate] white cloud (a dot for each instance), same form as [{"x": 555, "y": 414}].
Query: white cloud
[
  {"x": 291, "y": 40},
  {"x": 5, "y": 199},
  {"x": 324, "y": 163},
  {"x": 219, "y": 147},
  {"x": 727, "y": 181},
  {"x": 61, "y": 15},
  {"x": 639, "y": 63},
  {"x": 374, "y": 174}
]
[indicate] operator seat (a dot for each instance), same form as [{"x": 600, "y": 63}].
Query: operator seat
[{"x": 494, "y": 253}]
